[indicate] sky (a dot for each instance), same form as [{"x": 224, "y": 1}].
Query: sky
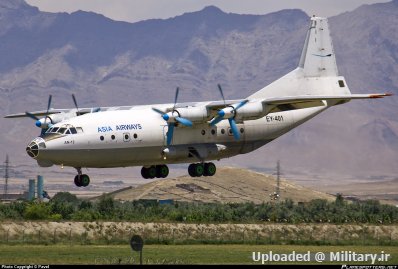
[{"x": 137, "y": 10}]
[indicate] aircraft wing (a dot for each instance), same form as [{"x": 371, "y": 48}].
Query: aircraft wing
[
  {"x": 43, "y": 113},
  {"x": 297, "y": 102}
]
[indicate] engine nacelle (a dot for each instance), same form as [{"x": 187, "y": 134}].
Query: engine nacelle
[
  {"x": 46, "y": 122},
  {"x": 200, "y": 151},
  {"x": 250, "y": 111},
  {"x": 194, "y": 114}
]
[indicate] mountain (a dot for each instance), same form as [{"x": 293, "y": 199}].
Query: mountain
[{"x": 110, "y": 63}]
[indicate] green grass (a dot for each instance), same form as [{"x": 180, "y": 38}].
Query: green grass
[{"x": 155, "y": 254}]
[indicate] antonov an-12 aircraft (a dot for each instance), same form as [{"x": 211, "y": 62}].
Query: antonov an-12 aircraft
[{"x": 153, "y": 136}]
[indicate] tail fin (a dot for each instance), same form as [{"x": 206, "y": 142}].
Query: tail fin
[
  {"x": 317, "y": 72},
  {"x": 317, "y": 58}
]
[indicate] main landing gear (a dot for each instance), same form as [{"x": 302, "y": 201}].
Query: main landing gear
[
  {"x": 158, "y": 171},
  {"x": 202, "y": 169},
  {"x": 81, "y": 180}
]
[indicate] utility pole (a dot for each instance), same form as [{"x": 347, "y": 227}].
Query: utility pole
[
  {"x": 276, "y": 194},
  {"x": 6, "y": 176}
]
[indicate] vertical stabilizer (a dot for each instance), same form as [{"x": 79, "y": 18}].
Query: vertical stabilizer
[
  {"x": 317, "y": 58},
  {"x": 316, "y": 73}
]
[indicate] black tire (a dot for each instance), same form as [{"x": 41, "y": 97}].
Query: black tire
[
  {"x": 162, "y": 171},
  {"x": 78, "y": 181},
  {"x": 199, "y": 169},
  {"x": 152, "y": 172},
  {"x": 191, "y": 170},
  {"x": 210, "y": 169},
  {"x": 85, "y": 180},
  {"x": 144, "y": 172}
]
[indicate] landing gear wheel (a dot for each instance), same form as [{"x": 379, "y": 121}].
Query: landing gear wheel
[
  {"x": 210, "y": 169},
  {"x": 78, "y": 181},
  {"x": 162, "y": 171},
  {"x": 144, "y": 172},
  {"x": 152, "y": 172},
  {"x": 196, "y": 169},
  {"x": 85, "y": 180},
  {"x": 199, "y": 169},
  {"x": 191, "y": 170}
]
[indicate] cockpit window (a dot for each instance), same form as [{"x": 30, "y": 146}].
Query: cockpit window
[
  {"x": 61, "y": 130},
  {"x": 65, "y": 129}
]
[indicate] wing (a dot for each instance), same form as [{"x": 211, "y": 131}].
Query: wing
[{"x": 297, "y": 102}]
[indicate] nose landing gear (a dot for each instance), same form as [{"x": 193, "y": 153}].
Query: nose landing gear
[{"x": 81, "y": 180}]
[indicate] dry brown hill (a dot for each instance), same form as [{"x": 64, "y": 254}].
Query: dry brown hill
[{"x": 229, "y": 185}]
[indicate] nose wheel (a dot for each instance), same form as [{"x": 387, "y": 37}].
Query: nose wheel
[{"x": 81, "y": 180}]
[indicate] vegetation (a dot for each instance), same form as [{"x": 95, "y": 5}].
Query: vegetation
[
  {"x": 65, "y": 206},
  {"x": 172, "y": 254}
]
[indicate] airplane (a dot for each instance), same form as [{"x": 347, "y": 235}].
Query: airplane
[{"x": 197, "y": 133}]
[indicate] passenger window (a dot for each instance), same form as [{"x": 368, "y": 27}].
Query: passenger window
[{"x": 73, "y": 130}]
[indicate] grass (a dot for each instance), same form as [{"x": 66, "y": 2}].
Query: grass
[{"x": 171, "y": 254}]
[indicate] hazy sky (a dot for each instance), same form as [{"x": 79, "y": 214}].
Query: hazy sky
[{"x": 136, "y": 10}]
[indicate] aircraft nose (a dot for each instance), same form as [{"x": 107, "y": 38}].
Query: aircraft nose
[{"x": 33, "y": 148}]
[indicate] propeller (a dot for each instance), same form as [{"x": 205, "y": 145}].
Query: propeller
[
  {"x": 228, "y": 112},
  {"x": 75, "y": 102},
  {"x": 172, "y": 118},
  {"x": 40, "y": 122}
]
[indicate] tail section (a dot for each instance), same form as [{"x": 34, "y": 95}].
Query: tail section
[
  {"x": 317, "y": 58},
  {"x": 317, "y": 73}
]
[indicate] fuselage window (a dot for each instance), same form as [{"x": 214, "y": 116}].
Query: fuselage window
[
  {"x": 203, "y": 132},
  {"x": 73, "y": 130},
  {"x": 135, "y": 136},
  {"x": 341, "y": 83},
  {"x": 113, "y": 137},
  {"x": 213, "y": 132},
  {"x": 242, "y": 130},
  {"x": 101, "y": 138},
  {"x": 222, "y": 131},
  {"x": 55, "y": 129},
  {"x": 68, "y": 131}
]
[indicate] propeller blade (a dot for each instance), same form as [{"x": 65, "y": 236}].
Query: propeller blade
[
  {"x": 241, "y": 104},
  {"x": 158, "y": 110},
  {"x": 184, "y": 121},
  {"x": 49, "y": 104},
  {"x": 234, "y": 128},
  {"x": 176, "y": 97},
  {"x": 170, "y": 132},
  {"x": 74, "y": 101},
  {"x": 31, "y": 116},
  {"x": 216, "y": 120},
  {"x": 222, "y": 94}
]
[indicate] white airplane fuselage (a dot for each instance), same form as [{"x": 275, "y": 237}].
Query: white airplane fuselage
[{"x": 137, "y": 137}]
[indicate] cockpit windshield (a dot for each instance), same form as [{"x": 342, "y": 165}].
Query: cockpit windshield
[{"x": 65, "y": 129}]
